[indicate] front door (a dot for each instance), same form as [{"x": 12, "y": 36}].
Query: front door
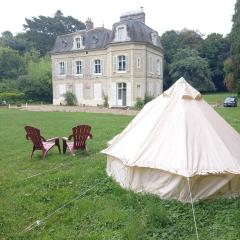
[{"x": 121, "y": 94}]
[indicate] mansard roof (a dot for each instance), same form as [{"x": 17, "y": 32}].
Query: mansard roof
[
  {"x": 101, "y": 37},
  {"x": 137, "y": 32}
]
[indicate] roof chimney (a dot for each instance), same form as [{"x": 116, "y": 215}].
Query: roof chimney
[
  {"x": 89, "y": 24},
  {"x": 134, "y": 15}
]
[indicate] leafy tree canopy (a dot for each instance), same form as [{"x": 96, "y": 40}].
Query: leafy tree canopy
[
  {"x": 235, "y": 50},
  {"x": 193, "y": 68},
  {"x": 18, "y": 42},
  {"x": 42, "y": 30},
  {"x": 37, "y": 84},
  {"x": 11, "y": 64},
  {"x": 215, "y": 49}
]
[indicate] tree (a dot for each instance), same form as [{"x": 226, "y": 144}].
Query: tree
[
  {"x": 11, "y": 64},
  {"x": 37, "y": 84},
  {"x": 191, "y": 39},
  {"x": 42, "y": 30},
  {"x": 18, "y": 42},
  {"x": 215, "y": 49},
  {"x": 235, "y": 50},
  {"x": 174, "y": 41},
  {"x": 170, "y": 42},
  {"x": 193, "y": 68}
]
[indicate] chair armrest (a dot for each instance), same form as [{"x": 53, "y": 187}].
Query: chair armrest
[
  {"x": 43, "y": 138},
  {"x": 51, "y": 139},
  {"x": 70, "y": 137},
  {"x": 65, "y": 138}
]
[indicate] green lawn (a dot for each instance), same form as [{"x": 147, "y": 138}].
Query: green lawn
[
  {"x": 104, "y": 212},
  {"x": 217, "y": 98}
]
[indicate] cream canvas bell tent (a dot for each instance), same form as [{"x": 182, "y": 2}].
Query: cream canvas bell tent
[{"x": 176, "y": 145}]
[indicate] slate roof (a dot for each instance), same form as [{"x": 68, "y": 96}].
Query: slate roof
[{"x": 101, "y": 37}]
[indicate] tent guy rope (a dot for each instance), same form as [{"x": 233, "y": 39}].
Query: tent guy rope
[
  {"x": 193, "y": 210},
  {"x": 41, "y": 221}
]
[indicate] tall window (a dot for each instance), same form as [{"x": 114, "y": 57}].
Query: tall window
[
  {"x": 151, "y": 65},
  {"x": 97, "y": 66},
  {"x": 78, "y": 67},
  {"x": 121, "y": 63},
  {"x": 78, "y": 42},
  {"x": 61, "y": 68},
  {"x": 158, "y": 66}
]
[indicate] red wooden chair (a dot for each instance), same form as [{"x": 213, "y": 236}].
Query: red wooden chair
[
  {"x": 39, "y": 142},
  {"x": 80, "y": 135}
]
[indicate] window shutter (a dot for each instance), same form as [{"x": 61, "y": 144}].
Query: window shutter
[
  {"x": 102, "y": 66},
  {"x": 93, "y": 66},
  {"x": 56, "y": 69},
  {"x": 154, "y": 65},
  {"x": 65, "y": 68},
  {"x": 114, "y": 63},
  {"x": 83, "y": 67},
  {"x": 127, "y": 64},
  {"x": 97, "y": 89},
  {"x": 113, "y": 94},
  {"x": 61, "y": 91},
  {"x": 74, "y": 67},
  {"x": 79, "y": 92},
  {"x": 129, "y": 95}
]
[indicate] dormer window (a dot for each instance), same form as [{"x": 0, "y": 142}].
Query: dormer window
[
  {"x": 154, "y": 37},
  {"x": 121, "y": 33},
  {"x": 78, "y": 42}
]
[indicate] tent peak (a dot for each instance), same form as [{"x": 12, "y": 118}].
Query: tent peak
[{"x": 183, "y": 89}]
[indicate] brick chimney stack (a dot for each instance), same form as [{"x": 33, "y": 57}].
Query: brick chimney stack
[
  {"x": 89, "y": 24},
  {"x": 134, "y": 15}
]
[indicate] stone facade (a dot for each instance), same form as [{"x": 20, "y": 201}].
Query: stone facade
[{"x": 118, "y": 65}]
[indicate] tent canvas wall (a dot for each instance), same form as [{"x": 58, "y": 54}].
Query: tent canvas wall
[{"x": 177, "y": 141}]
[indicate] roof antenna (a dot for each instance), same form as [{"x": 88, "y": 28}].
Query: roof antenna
[{"x": 103, "y": 24}]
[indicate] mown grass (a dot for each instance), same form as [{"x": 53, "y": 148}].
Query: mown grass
[
  {"x": 217, "y": 98},
  {"x": 106, "y": 211}
]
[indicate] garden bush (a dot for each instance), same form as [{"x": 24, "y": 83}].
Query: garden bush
[
  {"x": 139, "y": 103},
  {"x": 12, "y": 97},
  {"x": 70, "y": 99}
]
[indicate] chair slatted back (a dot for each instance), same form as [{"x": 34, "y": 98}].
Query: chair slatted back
[
  {"x": 34, "y": 135},
  {"x": 80, "y": 135}
]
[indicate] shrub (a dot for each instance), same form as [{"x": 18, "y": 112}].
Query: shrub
[
  {"x": 105, "y": 103},
  {"x": 139, "y": 103},
  {"x": 12, "y": 97},
  {"x": 70, "y": 99},
  {"x": 148, "y": 98}
]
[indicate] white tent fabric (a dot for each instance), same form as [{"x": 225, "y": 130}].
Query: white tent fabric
[{"x": 176, "y": 137}]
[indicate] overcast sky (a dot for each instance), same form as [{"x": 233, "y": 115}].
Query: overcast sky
[{"x": 206, "y": 16}]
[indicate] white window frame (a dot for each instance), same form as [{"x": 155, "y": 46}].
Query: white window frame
[
  {"x": 121, "y": 63},
  {"x": 78, "y": 67},
  {"x": 78, "y": 42},
  {"x": 97, "y": 67},
  {"x": 123, "y": 37},
  {"x": 61, "y": 68}
]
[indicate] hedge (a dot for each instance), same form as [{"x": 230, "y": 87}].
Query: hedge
[{"x": 12, "y": 97}]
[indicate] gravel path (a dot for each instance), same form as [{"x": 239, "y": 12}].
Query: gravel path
[{"x": 52, "y": 108}]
